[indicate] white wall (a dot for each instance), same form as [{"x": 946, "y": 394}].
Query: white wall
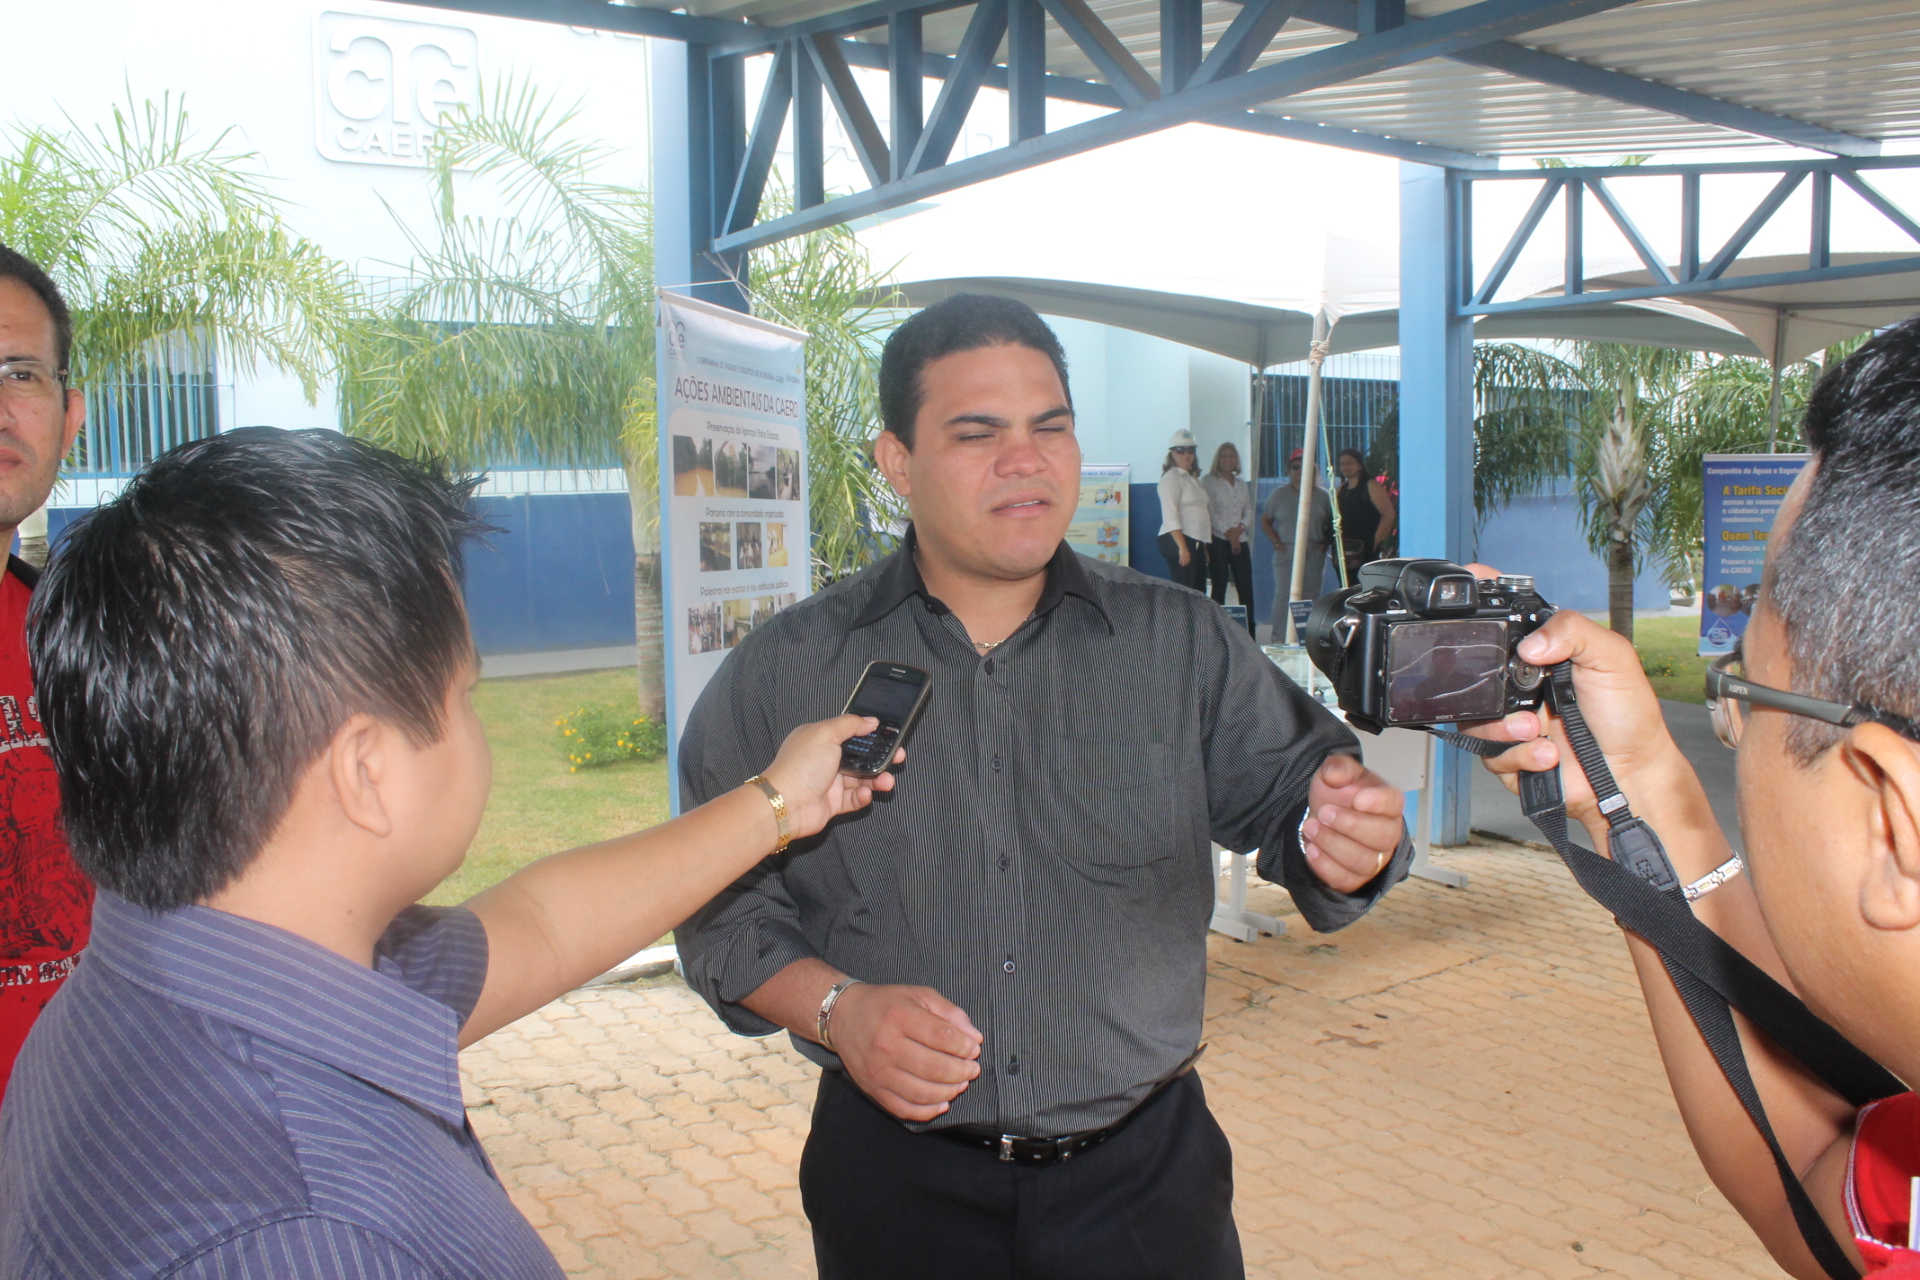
[
  {"x": 253, "y": 68},
  {"x": 1132, "y": 391}
]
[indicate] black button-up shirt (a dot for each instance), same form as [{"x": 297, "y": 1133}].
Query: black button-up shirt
[{"x": 1045, "y": 861}]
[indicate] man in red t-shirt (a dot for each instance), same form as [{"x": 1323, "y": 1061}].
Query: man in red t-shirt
[{"x": 45, "y": 902}]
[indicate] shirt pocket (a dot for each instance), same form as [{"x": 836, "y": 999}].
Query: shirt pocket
[{"x": 1119, "y": 802}]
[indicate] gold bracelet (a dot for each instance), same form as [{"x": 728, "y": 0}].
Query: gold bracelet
[{"x": 779, "y": 803}]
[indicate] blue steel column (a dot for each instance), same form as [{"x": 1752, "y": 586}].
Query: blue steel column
[
  {"x": 691, "y": 169},
  {"x": 1436, "y": 416}
]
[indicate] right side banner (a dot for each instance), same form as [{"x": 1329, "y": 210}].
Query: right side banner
[{"x": 1742, "y": 492}]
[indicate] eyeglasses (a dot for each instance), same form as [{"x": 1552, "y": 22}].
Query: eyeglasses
[
  {"x": 1183, "y": 448},
  {"x": 30, "y": 379},
  {"x": 1728, "y": 689}
]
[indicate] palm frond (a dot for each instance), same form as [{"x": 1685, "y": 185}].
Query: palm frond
[{"x": 157, "y": 236}]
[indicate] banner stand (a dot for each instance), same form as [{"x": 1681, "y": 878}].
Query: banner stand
[{"x": 735, "y": 543}]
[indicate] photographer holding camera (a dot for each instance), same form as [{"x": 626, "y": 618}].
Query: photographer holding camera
[{"x": 1822, "y": 706}]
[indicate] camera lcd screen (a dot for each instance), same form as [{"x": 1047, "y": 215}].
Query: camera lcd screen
[
  {"x": 887, "y": 700},
  {"x": 1446, "y": 671}
]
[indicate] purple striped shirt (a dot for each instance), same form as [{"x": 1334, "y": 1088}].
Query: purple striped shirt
[{"x": 212, "y": 1098}]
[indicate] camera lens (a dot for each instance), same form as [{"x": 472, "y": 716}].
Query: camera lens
[{"x": 1525, "y": 676}]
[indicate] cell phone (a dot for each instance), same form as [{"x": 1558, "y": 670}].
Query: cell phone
[{"x": 893, "y": 694}]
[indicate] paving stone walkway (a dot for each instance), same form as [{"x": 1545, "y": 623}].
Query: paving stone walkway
[{"x": 1463, "y": 1085}]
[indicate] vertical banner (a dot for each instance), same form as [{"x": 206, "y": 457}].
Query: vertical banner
[
  {"x": 1742, "y": 492},
  {"x": 1099, "y": 527},
  {"x": 734, "y": 541}
]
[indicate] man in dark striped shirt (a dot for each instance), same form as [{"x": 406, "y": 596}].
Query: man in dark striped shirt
[
  {"x": 1002, "y": 967},
  {"x": 255, "y": 671}
]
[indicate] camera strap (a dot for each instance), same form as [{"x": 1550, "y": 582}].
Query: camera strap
[{"x": 1639, "y": 886}]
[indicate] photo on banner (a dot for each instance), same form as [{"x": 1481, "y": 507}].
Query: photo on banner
[
  {"x": 1743, "y": 493},
  {"x": 733, "y": 500},
  {"x": 1099, "y": 527}
]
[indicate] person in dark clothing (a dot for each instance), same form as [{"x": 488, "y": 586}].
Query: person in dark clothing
[
  {"x": 1367, "y": 516},
  {"x": 1004, "y": 965}
]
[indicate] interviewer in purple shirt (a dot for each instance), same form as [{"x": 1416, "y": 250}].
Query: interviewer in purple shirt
[{"x": 255, "y": 669}]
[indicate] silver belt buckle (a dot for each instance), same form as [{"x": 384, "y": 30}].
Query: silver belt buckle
[{"x": 1006, "y": 1147}]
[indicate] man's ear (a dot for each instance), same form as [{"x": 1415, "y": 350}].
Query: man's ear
[
  {"x": 893, "y": 458},
  {"x": 1888, "y": 766},
  {"x": 360, "y": 767}
]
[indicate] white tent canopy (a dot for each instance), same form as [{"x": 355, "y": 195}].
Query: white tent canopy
[{"x": 1268, "y": 336}]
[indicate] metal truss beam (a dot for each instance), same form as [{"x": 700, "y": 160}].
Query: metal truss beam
[
  {"x": 970, "y": 66},
  {"x": 937, "y": 67},
  {"x": 1693, "y": 275},
  {"x": 1474, "y": 24},
  {"x": 869, "y": 144},
  {"x": 1245, "y": 39},
  {"x": 1584, "y": 77},
  {"x": 1115, "y": 62},
  {"x": 1686, "y": 289},
  {"x": 1180, "y": 52}
]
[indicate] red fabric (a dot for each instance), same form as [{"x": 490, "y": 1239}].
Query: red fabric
[
  {"x": 46, "y": 904},
  {"x": 1880, "y": 1172}
]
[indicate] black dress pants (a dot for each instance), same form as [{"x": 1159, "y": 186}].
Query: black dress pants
[
  {"x": 1153, "y": 1202},
  {"x": 1224, "y": 562},
  {"x": 1194, "y": 572}
]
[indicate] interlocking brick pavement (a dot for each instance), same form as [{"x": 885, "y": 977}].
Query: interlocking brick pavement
[{"x": 1463, "y": 1085}]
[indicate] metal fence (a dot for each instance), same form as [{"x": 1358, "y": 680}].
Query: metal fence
[
  {"x": 155, "y": 403},
  {"x": 1358, "y": 393}
]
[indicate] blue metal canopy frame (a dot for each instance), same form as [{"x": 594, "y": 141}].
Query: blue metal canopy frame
[
  {"x": 1691, "y": 273},
  {"x": 713, "y": 158}
]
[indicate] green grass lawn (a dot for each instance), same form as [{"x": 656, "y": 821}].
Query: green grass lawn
[
  {"x": 1668, "y": 650},
  {"x": 537, "y": 806}
]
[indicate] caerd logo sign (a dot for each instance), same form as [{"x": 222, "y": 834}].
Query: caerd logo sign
[{"x": 381, "y": 86}]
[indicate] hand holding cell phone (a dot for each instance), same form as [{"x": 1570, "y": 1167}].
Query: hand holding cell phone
[{"x": 893, "y": 694}]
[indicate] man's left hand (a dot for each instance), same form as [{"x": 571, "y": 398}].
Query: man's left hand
[{"x": 1353, "y": 823}]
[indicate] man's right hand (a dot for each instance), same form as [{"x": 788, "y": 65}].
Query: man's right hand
[
  {"x": 1615, "y": 698},
  {"x": 910, "y": 1049}
]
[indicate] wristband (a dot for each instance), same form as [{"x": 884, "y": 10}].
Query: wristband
[
  {"x": 826, "y": 1012},
  {"x": 779, "y": 803},
  {"x": 1707, "y": 883}
]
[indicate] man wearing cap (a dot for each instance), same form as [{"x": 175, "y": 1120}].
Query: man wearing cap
[
  {"x": 1186, "y": 518},
  {"x": 1280, "y": 517}
]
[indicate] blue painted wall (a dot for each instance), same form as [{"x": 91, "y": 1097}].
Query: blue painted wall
[
  {"x": 1542, "y": 536},
  {"x": 559, "y": 575}
]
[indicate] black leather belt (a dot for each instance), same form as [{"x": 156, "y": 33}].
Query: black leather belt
[{"x": 1022, "y": 1150}]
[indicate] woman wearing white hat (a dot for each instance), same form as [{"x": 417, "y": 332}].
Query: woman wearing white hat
[{"x": 1186, "y": 520}]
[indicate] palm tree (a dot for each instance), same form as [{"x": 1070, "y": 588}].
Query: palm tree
[
  {"x": 529, "y": 337},
  {"x": 827, "y": 286},
  {"x": 1726, "y": 406},
  {"x": 1527, "y": 401},
  {"x": 532, "y": 337},
  {"x": 171, "y": 251}
]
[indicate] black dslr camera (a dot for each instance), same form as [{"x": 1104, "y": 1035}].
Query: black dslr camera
[{"x": 1423, "y": 642}]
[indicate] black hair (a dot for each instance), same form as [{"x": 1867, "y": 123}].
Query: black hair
[
  {"x": 198, "y": 641},
  {"x": 1846, "y": 580},
  {"x": 1358, "y": 457},
  {"x": 964, "y": 322},
  {"x": 17, "y": 266}
]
